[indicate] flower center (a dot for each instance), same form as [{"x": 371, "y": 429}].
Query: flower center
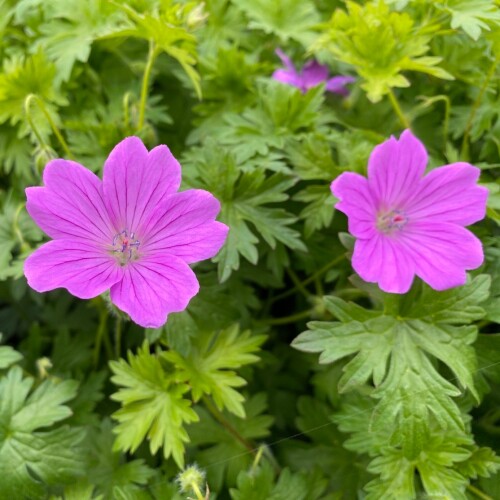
[
  {"x": 390, "y": 222},
  {"x": 125, "y": 246}
]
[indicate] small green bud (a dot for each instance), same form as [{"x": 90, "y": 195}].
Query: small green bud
[{"x": 192, "y": 480}]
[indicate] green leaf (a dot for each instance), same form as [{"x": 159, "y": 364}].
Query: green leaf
[
  {"x": 72, "y": 27},
  {"x": 393, "y": 352},
  {"x": 209, "y": 367},
  {"x": 109, "y": 471},
  {"x": 473, "y": 16},
  {"x": 287, "y": 19},
  {"x": 282, "y": 115},
  {"x": 153, "y": 406},
  {"x": 245, "y": 199},
  {"x": 31, "y": 458},
  {"x": 435, "y": 468},
  {"x": 8, "y": 356},
  {"x": 21, "y": 77}
]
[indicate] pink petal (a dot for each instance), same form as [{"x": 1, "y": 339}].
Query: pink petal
[
  {"x": 356, "y": 201},
  {"x": 385, "y": 261},
  {"x": 337, "y": 84},
  {"x": 184, "y": 225},
  {"x": 442, "y": 252},
  {"x": 71, "y": 203},
  {"x": 449, "y": 194},
  {"x": 135, "y": 181},
  {"x": 395, "y": 168},
  {"x": 154, "y": 287},
  {"x": 288, "y": 77},
  {"x": 82, "y": 268},
  {"x": 314, "y": 73},
  {"x": 287, "y": 62}
]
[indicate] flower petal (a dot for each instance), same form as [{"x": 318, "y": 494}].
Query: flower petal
[
  {"x": 82, "y": 268},
  {"x": 442, "y": 252},
  {"x": 287, "y": 62},
  {"x": 449, "y": 194},
  {"x": 314, "y": 73},
  {"x": 383, "y": 260},
  {"x": 356, "y": 201},
  {"x": 288, "y": 77},
  {"x": 71, "y": 203},
  {"x": 135, "y": 181},
  {"x": 337, "y": 84},
  {"x": 154, "y": 287},
  {"x": 395, "y": 168},
  {"x": 184, "y": 225}
]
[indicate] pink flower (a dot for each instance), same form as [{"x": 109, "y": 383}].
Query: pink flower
[
  {"x": 313, "y": 73},
  {"x": 408, "y": 224},
  {"x": 132, "y": 233}
]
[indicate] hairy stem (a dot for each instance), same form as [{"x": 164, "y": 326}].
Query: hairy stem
[
  {"x": 53, "y": 126},
  {"x": 475, "y": 107},
  {"x": 397, "y": 108},
  {"x": 227, "y": 425},
  {"x": 145, "y": 83}
]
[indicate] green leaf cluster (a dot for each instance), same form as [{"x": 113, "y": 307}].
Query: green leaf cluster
[
  {"x": 380, "y": 44},
  {"x": 407, "y": 353}
]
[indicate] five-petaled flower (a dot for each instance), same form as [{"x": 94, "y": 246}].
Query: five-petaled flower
[
  {"x": 313, "y": 73},
  {"x": 132, "y": 233},
  {"x": 408, "y": 224}
]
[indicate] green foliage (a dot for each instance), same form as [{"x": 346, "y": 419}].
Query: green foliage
[
  {"x": 167, "y": 30},
  {"x": 222, "y": 454},
  {"x": 153, "y": 406},
  {"x": 392, "y": 351},
  {"x": 30, "y": 457},
  {"x": 400, "y": 46},
  {"x": 287, "y": 19},
  {"x": 405, "y": 401},
  {"x": 245, "y": 197},
  {"x": 208, "y": 369},
  {"x": 473, "y": 16}
]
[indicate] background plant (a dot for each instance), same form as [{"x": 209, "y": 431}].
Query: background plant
[{"x": 403, "y": 401}]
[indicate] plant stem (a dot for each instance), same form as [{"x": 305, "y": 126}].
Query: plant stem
[
  {"x": 103, "y": 316},
  {"x": 126, "y": 111},
  {"x": 287, "y": 319},
  {"x": 475, "y": 107},
  {"x": 298, "y": 285},
  {"x": 145, "y": 83},
  {"x": 15, "y": 227},
  {"x": 197, "y": 491},
  {"x": 311, "y": 278},
  {"x": 227, "y": 425},
  {"x": 53, "y": 126},
  {"x": 478, "y": 492},
  {"x": 39, "y": 138},
  {"x": 118, "y": 337},
  {"x": 397, "y": 108}
]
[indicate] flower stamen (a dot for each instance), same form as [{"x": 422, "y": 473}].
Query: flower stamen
[
  {"x": 390, "y": 222},
  {"x": 125, "y": 246}
]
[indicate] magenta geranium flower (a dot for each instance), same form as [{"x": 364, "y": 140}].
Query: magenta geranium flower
[
  {"x": 313, "y": 73},
  {"x": 408, "y": 224},
  {"x": 132, "y": 233}
]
